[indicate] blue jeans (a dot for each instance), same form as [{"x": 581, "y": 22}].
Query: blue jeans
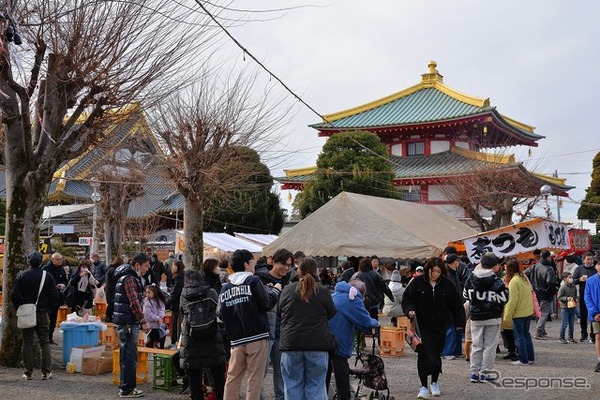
[
  {"x": 567, "y": 318},
  {"x": 128, "y": 356},
  {"x": 453, "y": 343},
  {"x": 448, "y": 349},
  {"x": 523, "y": 339},
  {"x": 275, "y": 357},
  {"x": 304, "y": 374}
]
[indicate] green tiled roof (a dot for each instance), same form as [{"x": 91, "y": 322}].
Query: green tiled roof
[
  {"x": 428, "y": 102},
  {"x": 425, "y": 105},
  {"x": 446, "y": 163},
  {"x": 437, "y": 165}
]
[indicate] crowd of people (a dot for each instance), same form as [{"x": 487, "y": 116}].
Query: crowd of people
[{"x": 281, "y": 311}]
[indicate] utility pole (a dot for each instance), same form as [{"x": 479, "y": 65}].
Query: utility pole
[{"x": 557, "y": 200}]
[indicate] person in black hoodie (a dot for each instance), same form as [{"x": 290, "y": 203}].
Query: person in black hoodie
[
  {"x": 434, "y": 300},
  {"x": 25, "y": 291},
  {"x": 487, "y": 296},
  {"x": 205, "y": 353}
]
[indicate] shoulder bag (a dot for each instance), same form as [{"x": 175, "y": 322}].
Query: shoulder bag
[{"x": 26, "y": 313}]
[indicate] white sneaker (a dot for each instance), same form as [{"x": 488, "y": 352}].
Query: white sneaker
[
  {"x": 423, "y": 393},
  {"x": 449, "y": 357},
  {"x": 435, "y": 389},
  {"x": 519, "y": 363}
]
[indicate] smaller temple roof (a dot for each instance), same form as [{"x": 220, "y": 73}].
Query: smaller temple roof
[
  {"x": 452, "y": 163},
  {"x": 429, "y": 101}
]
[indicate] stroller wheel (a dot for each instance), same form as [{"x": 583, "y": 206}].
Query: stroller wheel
[
  {"x": 382, "y": 397},
  {"x": 391, "y": 398},
  {"x": 371, "y": 395}
]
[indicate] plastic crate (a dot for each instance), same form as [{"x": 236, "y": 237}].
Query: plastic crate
[
  {"x": 392, "y": 341},
  {"x": 78, "y": 334},
  {"x": 141, "y": 372},
  {"x": 164, "y": 374},
  {"x": 403, "y": 322}
]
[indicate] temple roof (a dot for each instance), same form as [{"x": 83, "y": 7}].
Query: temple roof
[
  {"x": 429, "y": 101},
  {"x": 453, "y": 163}
]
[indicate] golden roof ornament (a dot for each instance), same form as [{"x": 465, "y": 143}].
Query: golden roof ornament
[{"x": 433, "y": 75}]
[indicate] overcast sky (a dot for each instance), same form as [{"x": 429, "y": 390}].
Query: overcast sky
[{"x": 536, "y": 60}]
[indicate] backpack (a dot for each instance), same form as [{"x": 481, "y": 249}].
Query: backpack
[{"x": 202, "y": 319}]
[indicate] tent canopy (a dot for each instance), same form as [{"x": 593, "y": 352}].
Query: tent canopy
[
  {"x": 228, "y": 243},
  {"x": 221, "y": 241},
  {"x": 258, "y": 238},
  {"x": 357, "y": 225}
]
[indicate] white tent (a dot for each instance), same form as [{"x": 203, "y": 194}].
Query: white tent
[
  {"x": 358, "y": 225},
  {"x": 220, "y": 241},
  {"x": 226, "y": 242},
  {"x": 258, "y": 238}
]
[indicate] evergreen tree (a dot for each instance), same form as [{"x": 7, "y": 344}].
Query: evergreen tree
[
  {"x": 590, "y": 207},
  {"x": 354, "y": 162}
]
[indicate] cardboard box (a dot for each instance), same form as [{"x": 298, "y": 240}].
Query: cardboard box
[
  {"x": 97, "y": 365},
  {"x": 80, "y": 352}
]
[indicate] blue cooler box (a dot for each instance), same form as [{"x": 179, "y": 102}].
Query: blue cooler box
[{"x": 78, "y": 334}]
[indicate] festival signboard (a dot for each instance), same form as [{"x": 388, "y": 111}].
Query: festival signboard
[{"x": 519, "y": 238}]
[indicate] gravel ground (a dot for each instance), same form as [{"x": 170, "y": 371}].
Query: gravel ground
[{"x": 553, "y": 361}]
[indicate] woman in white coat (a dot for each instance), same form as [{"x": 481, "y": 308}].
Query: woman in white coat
[{"x": 391, "y": 308}]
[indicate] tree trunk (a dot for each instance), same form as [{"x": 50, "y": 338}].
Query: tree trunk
[
  {"x": 24, "y": 208},
  {"x": 193, "y": 226}
]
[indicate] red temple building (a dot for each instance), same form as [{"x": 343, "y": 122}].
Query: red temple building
[{"x": 435, "y": 134}]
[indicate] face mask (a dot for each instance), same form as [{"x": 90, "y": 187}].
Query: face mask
[{"x": 569, "y": 280}]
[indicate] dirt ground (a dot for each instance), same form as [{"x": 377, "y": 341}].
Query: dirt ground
[{"x": 561, "y": 371}]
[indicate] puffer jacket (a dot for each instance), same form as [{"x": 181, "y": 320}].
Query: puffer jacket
[
  {"x": 486, "y": 293},
  {"x": 198, "y": 354},
  {"x": 394, "y": 308},
  {"x": 304, "y": 324},
  {"x": 122, "y": 314}
]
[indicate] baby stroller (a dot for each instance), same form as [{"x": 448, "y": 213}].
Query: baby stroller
[{"x": 369, "y": 369}]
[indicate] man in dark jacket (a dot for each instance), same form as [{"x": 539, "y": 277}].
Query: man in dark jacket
[
  {"x": 458, "y": 274},
  {"x": 487, "y": 295},
  {"x": 243, "y": 305},
  {"x": 580, "y": 276},
  {"x": 25, "y": 291},
  {"x": 128, "y": 316},
  {"x": 98, "y": 269},
  {"x": 282, "y": 262},
  {"x": 543, "y": 279},
  {"x": 55, "y": 268}
]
